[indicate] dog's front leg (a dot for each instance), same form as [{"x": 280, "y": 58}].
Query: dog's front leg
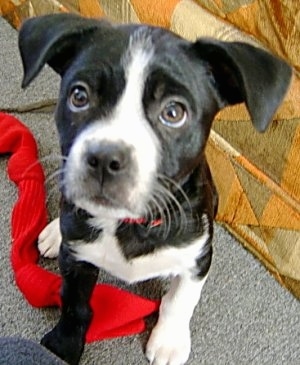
[
  {"x": 67, "y": 338},
  {"x": 170, "y": 340}
]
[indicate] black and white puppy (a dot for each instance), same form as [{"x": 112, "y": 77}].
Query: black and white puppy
[{"x": 135, "y": 110}]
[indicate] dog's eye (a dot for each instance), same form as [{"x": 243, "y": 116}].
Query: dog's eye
[
  {"x": 79, "y": 97},
  {"x": 173, "y": 115}
]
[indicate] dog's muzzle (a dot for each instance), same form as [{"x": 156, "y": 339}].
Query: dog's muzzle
[{"x": 102, "y": 173}]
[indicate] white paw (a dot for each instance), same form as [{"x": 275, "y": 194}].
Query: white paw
[
  {"x": 50, "y": 239},
  {"x": 169, "y": 344}
]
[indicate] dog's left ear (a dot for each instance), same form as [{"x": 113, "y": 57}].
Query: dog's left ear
[{"x": 243, "y": 73}]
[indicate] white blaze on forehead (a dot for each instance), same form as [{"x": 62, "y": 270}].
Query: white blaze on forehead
[
  {"x": 141, "y": 45},
  {"x": 136, "y": 62},
  {"x": 129, "y": 118},
  {"x": 127, "y": 122}
]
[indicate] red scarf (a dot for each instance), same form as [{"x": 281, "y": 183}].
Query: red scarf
[{"x": 116, "y": 312}]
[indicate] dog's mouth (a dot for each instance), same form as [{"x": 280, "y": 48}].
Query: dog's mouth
[
  {"x": 103, "y": 201},
  {"x": 113, "y": 202},
  {"x": 109, "y": 201}
]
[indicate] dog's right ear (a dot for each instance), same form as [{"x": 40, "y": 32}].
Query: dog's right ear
[{"x": 54, "y": 39}]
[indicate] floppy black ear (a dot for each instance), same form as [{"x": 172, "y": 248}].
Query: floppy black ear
[
  {"x": 54, "y": 39},
  {"x": 243, "y": 73}
]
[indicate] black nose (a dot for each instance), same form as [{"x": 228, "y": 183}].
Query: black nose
[{"x": 110, "y": 158}]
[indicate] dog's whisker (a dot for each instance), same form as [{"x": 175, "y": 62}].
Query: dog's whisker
[
  {"x": 51, "y": 157},
  {"x": 52, "y": 176},
  {"x": 150, "y": 212},
  {"x": 182, "y": 214},
  {"x": 53, "y": 187},
  {"x": 150, "y": 208},
  {"x": 166, "y": 192},
  {"x": 170, "y": 205},
  {"x": 166, "y": 202},
  {"x": 169, "y": 180},
  {"x": 158, "y": 200},
  {"x": 170, "y": 202},
  {"x": 50, "y": 193},
  {"x": 183, "y": 217}
]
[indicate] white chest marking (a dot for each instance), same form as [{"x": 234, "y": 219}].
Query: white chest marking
[{"x": 106, "y": 254}]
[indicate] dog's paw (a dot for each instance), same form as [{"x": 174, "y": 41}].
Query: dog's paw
[
  {"x": 50, "y": 239},
  {"x": 65, "y": 347},
  {"x": 169, "y": 345}
]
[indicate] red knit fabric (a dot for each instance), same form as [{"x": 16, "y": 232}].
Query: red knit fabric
[{"x": 116, "y": 312}]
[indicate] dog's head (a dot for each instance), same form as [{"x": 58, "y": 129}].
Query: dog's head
[{"x": 137, "y": 103}]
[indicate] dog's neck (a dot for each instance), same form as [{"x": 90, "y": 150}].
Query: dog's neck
[
  {"x": 181, "y": 194},
  {"x": 184, "y": 198}
]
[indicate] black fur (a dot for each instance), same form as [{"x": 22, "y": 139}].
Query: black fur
[
  {"x": 67, "y": 338},
  {"x": 207, "y": 75},
  {"x": 74, "y": 224}
]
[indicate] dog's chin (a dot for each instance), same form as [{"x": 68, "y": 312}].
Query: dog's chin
[{"x": 101, "y": 206}]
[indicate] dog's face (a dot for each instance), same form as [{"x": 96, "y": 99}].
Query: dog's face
[
  {"x": 137, "y": 103},
  {"x": 130, "y": 117}
]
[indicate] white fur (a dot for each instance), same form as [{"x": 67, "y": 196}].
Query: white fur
[
  {"x": 170, "y": 340},
  {"x": 50, "y": 239},
  {"x": 105, "y": 253}
]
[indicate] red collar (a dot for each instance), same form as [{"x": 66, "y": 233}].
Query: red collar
[{"x": 152, "y": 224}]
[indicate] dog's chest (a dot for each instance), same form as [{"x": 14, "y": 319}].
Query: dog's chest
[{"x": 105, "y": 253}]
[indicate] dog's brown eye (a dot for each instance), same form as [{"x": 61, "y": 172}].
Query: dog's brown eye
[
  {"x": 173, "y": 115},
  {"x": 79, "y": 98}
]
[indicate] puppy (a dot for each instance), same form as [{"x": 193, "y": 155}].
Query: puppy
[{"x": 135, "y": 110}]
